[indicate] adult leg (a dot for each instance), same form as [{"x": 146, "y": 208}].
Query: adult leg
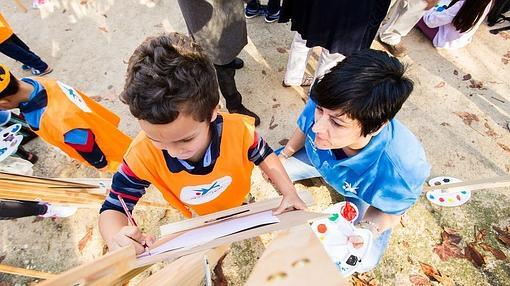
[
  {"x": 17, "y": 209},
  {"x": 403, "y": 16},
  {"x": 296, "y": 65},
  {"x": 16, "y": 49},
  {"x": 299, "y": 167},
  {"x": 226, "y": 81},
  {"x": 326, "y": 62}
]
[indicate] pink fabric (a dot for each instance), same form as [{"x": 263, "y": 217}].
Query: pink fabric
[{"x": 430, "y": 33}]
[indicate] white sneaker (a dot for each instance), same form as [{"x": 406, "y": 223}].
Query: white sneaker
[{"x": 58, "y": 211}]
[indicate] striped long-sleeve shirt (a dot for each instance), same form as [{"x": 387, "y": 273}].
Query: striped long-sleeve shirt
[{"x": 131, "y": 188}]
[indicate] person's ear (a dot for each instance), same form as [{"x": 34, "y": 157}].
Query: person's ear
[
  {"x": 214, "y": 114},
  {"x": 5, "y": 103}
]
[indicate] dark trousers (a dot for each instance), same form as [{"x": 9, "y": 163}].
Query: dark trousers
[
  {"x": 273, "y": 6},
  {"x": 228, "y": 88},
  {"x": 16, "y": 49},
  {"x": 17, "y": 209}
]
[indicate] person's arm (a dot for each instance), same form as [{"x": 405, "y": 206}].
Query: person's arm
[
  {"x": 296, "y": 142},
  {"x": 83, "y": 141},
  {"x": 262, "y": 155},
  {"x": 377, "y": 222},
  {"x": 434, "y": 18},
  {"x": 113, "y": 223},
  {"x": 431, "y": 4},
  {"x": 273, "y": 168}
]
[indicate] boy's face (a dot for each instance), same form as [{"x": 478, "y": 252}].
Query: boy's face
[
  {"x": 184, "y": 138},
  {"x": 335, "y": 130}
]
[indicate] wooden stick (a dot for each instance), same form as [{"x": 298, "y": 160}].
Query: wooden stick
[
  {"x": 295, "y": 257},
  {"x": 186, "y": 270},
  {"x": 45, "y": 181},
  {"x": 101, "y": 271},
  {"x": 490, "y": 183},
  {"x": 21, "y": 6},
  {"x": 25, "y": 272}
]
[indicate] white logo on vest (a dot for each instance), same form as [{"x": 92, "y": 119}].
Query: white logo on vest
[
  {"x": 74, "y": 96},
  {"x": 196, "y": 195},
  {"x": 350, "y": 188}
]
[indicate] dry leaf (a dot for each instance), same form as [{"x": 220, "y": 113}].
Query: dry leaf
[
  {"x": 473, "y": 255},
  {"x": 476, "y": 84},
  {"x": 445, "y": 280},
  {"x": 429, "y": 270},
  {"x": 503, "y": 235},
  {"x": 504, "y": 147},
  {"x": 419, "y": 280},
  {"x": 467, "y": 117},
  {"x": 2, "y": 257},
  {"x": 466, "y": 77},
  {"x": 451, "y": 235},
  {"x": 447, "y": 250},
  {"x": 276, "y": 105},
  {"x": 103, "y": 29},
  {"x": 495, "y": 251},
  {"x": 480, "y": 236},
  {"x": 283, "y": 142},
  {"x": 272, "y": 125},
  {"x": 281, "y": 50},
  {"x": 439, "y": 85},
  {"x": 455, "y": 72},
  {"x": 86, "y": 238}
]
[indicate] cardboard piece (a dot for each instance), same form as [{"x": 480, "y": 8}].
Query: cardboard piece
[{"x": 295, "y": 257}]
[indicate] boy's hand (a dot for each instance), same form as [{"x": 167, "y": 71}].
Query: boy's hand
[
  {"x": 131, "y": 235},
  {"x": 290, "y": 200}
]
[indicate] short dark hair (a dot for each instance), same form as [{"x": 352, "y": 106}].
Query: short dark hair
[
  {"x": 369, "y": 86},
  {"x": 12, "y": 87},
  {"x": 167, "y": 75}
]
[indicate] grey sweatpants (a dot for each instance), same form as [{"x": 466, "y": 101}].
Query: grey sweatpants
[{"x": 402, "y": 17}]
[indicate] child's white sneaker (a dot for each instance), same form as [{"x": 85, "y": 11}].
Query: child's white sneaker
[{"x": 58, "y": 211}]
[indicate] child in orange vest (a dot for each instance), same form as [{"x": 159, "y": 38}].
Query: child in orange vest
[
  {"x": 200, "y": 159},
  {"x": 67, "y": 119},
  {"x": 12, "y": 46}
]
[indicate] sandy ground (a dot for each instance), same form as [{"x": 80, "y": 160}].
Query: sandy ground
[{"x": 461, "y": 124}]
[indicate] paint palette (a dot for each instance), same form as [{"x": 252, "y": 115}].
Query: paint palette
[
  {"x": 9, "y": 141},
  {"x": 447, "y": 198},
  {"x": 334, "y": 231}
]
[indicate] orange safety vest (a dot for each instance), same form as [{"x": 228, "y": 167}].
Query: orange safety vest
[
  {"x": 5, "y": 29},
  {"x": 224, "y": 187},
  {"x": 70, "y": 109}
]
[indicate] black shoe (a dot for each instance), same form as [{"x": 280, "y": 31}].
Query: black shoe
[
  {"x": 246, "y": 111},
  {"x": 237, "y": 63}
]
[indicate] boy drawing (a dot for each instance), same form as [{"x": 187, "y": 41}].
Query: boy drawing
[
  {"x": 200, "y": 159},
  {"x": 66, "y": 118}
]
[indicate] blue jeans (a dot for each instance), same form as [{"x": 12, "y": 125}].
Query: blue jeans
[
  {"x": 16, "y": 49},
  {"x": 299, "y": 168}
]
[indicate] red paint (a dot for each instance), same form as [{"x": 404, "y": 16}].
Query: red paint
[
  {"x": 441, "y": 199},
  {"x": 458, "y": 197},
  {"x": 321, "y": 228},
  {"x": 348, "y": 212}
]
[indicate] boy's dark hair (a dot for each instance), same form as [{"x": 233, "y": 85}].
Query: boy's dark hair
[
  {"x": 167, "y": 75},
  {"x": 13, "y": 85},
  {"x": 368, "y": 86}
]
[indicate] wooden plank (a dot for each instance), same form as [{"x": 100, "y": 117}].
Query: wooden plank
[
  {"x": 287, "y": 220},
  {"x": 243, "y": 210},
  {"x": 295, "y": 257},
  {"x": 187, "y": 270},
  {"x": 4, "y": 268},
  {"x": 489, "y": 183},
  {"x": 41, "y": 180},
  {"x": 101, "y": 271},
  {"x": 21, "y": 6}
]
